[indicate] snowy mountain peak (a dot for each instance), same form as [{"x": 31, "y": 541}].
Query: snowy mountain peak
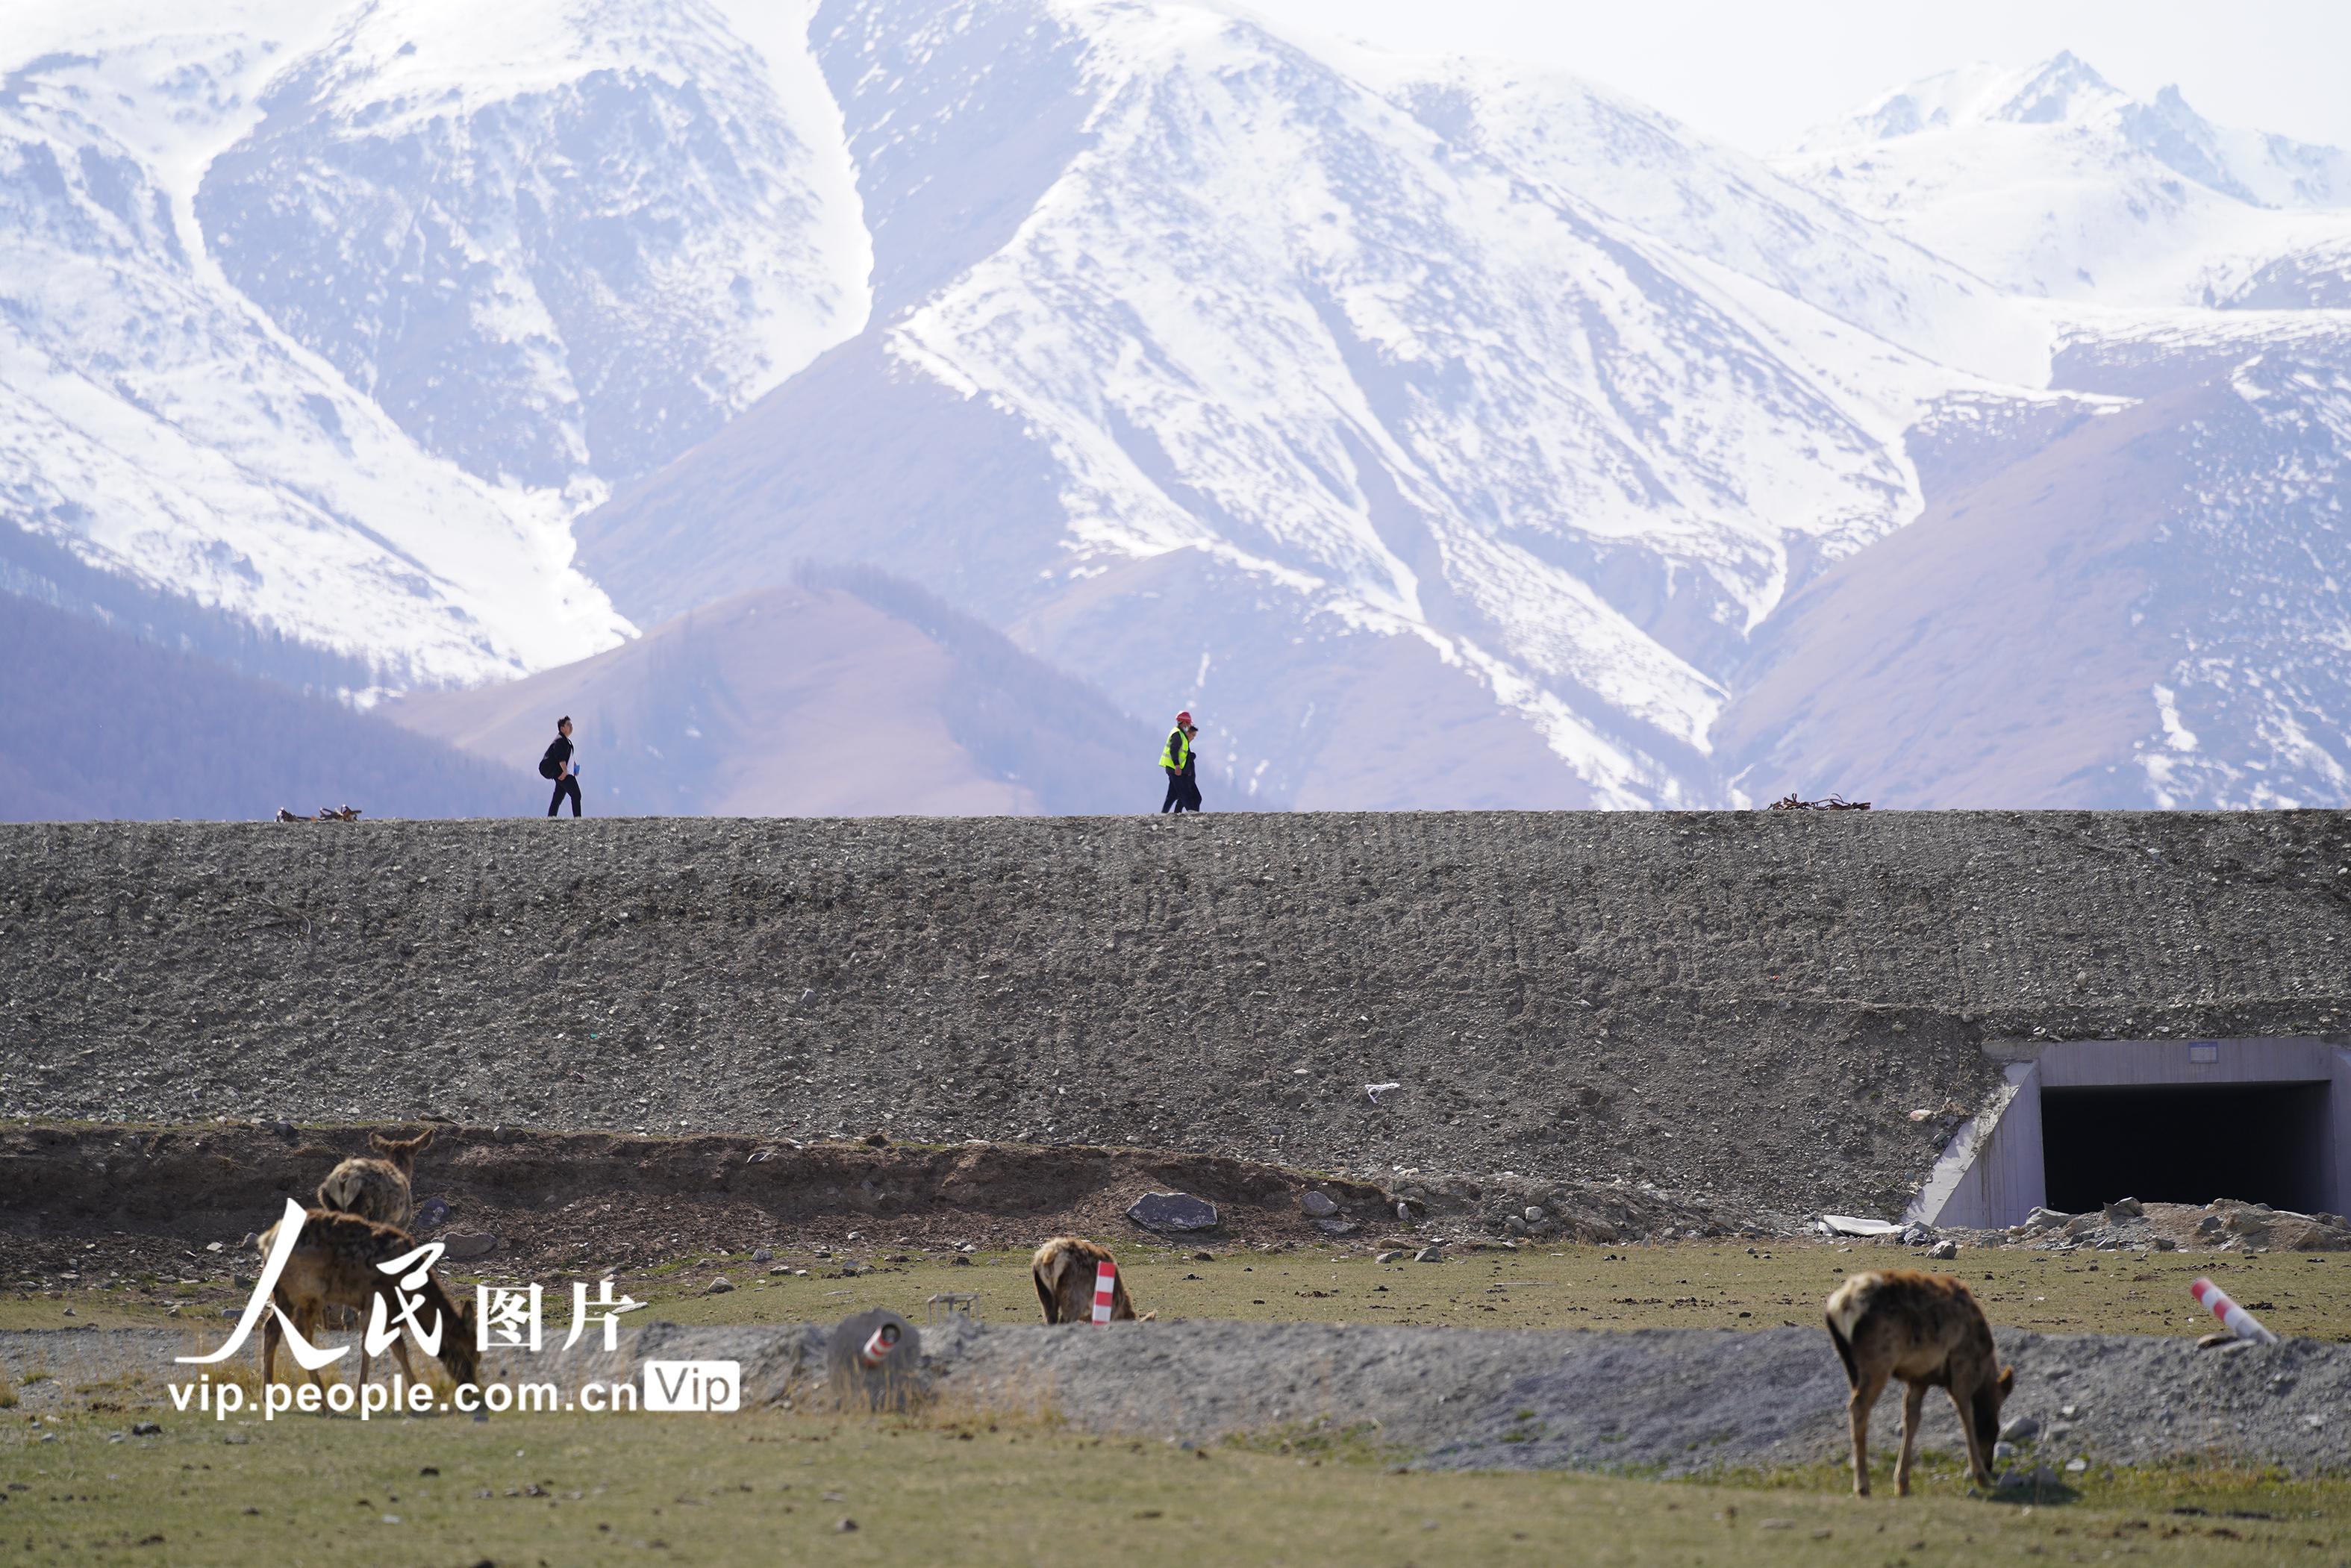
[
  {"x": 2053, "y": 181},
  {"x": 2060, "y": 89}
]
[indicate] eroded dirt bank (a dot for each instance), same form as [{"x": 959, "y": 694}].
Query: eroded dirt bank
[
  {"x": 114, "y": 1201},
  {"x": 1745, "y": 1006}
]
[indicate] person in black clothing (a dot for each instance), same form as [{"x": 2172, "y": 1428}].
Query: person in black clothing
[
  {"x": 1191, "y": 778},
  {"x": 558, "y": 765}
]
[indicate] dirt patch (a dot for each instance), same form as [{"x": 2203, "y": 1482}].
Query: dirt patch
[{"x": 632, "y": 1199}]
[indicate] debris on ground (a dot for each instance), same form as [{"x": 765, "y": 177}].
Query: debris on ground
[
  {"x": 1827, "y": 803},
  {"x": 1174, "y": 1211},
  {"x": 2223, "y": 1225},
  {"x": 1852, "y": 1225}
]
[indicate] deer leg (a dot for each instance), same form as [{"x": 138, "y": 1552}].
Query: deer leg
[
  {"x": 270, "y": 1334},
  {"x": 1913, "y": 1400},
  {"x": 1864, "y": 1395},
  {"x": 308, "y": 1319},
  {"x": 407, "y": 1368},
  {"x": 1979, "y": 1455}
]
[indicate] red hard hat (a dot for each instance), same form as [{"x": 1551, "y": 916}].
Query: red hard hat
[{"x": 1184, "y": 717}]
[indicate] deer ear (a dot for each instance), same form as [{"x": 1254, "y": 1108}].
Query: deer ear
[{"x": 2007, "y": 1381}]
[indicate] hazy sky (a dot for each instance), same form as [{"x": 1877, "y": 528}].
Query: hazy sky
[{"x": 1756, "y": 73}]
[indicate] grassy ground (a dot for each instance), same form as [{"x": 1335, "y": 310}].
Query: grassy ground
[
  {"x": 1678, "y": 1285},
  {"x": 774, "y": 1487}
]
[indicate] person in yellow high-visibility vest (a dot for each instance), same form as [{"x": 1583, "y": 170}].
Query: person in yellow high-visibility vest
[{"x": 1174, "y": 757}]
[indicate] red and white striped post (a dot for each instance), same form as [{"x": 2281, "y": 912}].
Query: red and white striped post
[
  {"x": 878, "y": 1348},
  {"x": 1105, "y": 1289},
  {"x": 2241, "y": 1323}
]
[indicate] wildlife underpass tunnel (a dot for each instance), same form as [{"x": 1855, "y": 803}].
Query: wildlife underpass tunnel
[
  {"x": 2264, "y": 1143},
  {"x": 2083, "y": 1122}
]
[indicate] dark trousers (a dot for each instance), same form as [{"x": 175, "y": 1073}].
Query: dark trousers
[
  {"x": 1179, "y": 796},
  {"x": 1191, "y": 791},
  {"x": 567, "y": 785}
]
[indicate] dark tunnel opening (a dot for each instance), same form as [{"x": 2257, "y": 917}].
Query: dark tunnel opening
[{"x": 2262, "y": 1143}]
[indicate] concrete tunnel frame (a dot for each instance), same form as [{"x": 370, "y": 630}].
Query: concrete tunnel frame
[{"x": 2293, "y": 1094}]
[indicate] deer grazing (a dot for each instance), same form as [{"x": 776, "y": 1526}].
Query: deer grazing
[
  {"x": 1927, "y": 1330},
  {"x": 1064, "y": 1270},
  {"x": 379, "y": 1188},
  {"x": 334, "y": 1265}
]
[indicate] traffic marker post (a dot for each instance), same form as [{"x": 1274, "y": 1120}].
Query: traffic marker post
[
  {"x": 2241, "y": 1323},
  {"x": 1105, "y": 1289}
]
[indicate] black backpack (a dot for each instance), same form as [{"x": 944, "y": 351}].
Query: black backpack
[{"x": 549, "y": 768}]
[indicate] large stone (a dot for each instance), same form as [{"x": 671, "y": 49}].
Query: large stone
[
  {"x": 1318, "y": 1205},
  {"x": 469, "y": 1244},
  {"x": 1175, "y": 1211}
]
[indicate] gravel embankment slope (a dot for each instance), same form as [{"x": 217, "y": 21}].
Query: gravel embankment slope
[
  {"x": 1675, "y": 1401},
  {"x": 1745, "y": 1005}
]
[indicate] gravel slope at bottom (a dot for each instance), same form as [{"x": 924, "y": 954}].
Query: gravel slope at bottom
[{"x": 1676, "y": 1402}]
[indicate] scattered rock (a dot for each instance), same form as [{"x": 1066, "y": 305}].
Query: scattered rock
[
  {"x": 2077, "y": 1467},
  {"x": 718, "y": 1287},
  {"x": 1387, "y": 1257},
  {"x": 1944, "y": 1250},
  {"x": 1174, "y": 1211},
  {"x": 145, "y": 1429},
  {"x": 1318, "y": 1205},
  {"x": 763, "y": 1254},
  {"x": 469, "y": 1244},
  {"x": 2022, "y": 1429},
  {"x": 1337, "y": 1226},
  {"x": 1535, "y": 1215},
  {"x": 432, "y": 1214},
  {"x": 1429, "y": 1255}
]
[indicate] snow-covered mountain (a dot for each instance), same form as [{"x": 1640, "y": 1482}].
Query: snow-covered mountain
[
  {"x": 2051, "y": 181},
  {"x": 1445, "y": 433},
  {"x": 1282, "y": 345},
  {"x": 337, "y": 316},
  {"x": 555, "y": 242},
  {"x": 2147, "y": 610}
]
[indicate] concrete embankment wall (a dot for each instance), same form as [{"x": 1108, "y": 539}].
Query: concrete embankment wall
[{"x": 1746, "y": 1004}]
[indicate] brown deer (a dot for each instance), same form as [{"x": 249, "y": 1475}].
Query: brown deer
[
  {"x": 1064, "y": 1270},
  {"x": 379, "y": 1188},
  {"x": 334, "y": 1265},
  {"x": 1927, "y": 1330}
]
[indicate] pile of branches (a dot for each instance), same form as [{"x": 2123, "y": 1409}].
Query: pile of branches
[
  {"x": 326, "y": 814},
  {"x": 1827, "y": 803}
]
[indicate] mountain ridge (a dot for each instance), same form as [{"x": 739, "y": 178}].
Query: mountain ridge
[{"x": 1453, "y": 432}]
